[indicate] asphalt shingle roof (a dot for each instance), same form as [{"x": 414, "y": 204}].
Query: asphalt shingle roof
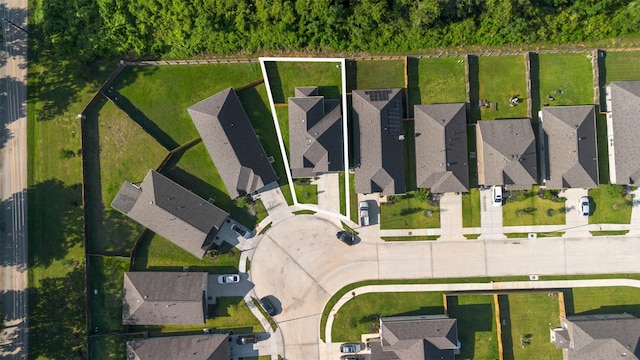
[
  {"x": 379, "y": 148},
  {"x": 625, "y": 103},
  {"x": 506, "y": 153},
  {"x": 232, "y": 143},
  {"x": 603, "y": 337},
  {"x": 194, "y": 347},
  {"x": 315, "y": 134},
  {"x": 159, "y": 298},
  {"x": 571, "y": 146},
  {"x": 172, "y": 212},
  {"x": 441, "y": 147}
]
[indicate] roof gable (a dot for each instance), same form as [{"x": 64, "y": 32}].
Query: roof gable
[
  {"x": 194, "y": 347},
  {"x": 625, "y": 107},
  {"x": 419, "y": 337}
]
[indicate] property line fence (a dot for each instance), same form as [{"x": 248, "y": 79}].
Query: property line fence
[
  {"x": 596, "y": 55},
  {"x": 496, "y": 305}
]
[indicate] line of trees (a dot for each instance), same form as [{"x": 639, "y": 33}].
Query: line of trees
[{"x": 89, "y": 29}]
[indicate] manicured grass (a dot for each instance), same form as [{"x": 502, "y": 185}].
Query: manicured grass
[
  {"x": 622, "y": 65},
  {"x": 110, "y": 347},
  {"x": 264, "y": 313},
  {"x": 265, "y": 228},
  {"x": 603, "y": 149},
  {"x": 476, "y": 325},
  {"x": 436, "y": 81},
  {"x": 353, "y": 199},
  {"x": 540, "y": 234},
  {"x": 609, "y": 300},
  {"x": 409, "y": 154},
  {"x": 304, "y": 212},
  {"x": 164, "y": 93},
  {"x": 472, "y": 236},
  {"x": 528, "y": 317},
  {"x": 609, "y": 232},
  {"x": 229, "y": 313},
  {"x": 348, "y": 228},
  {"x": 571, "y": 73},
  {"x": 107, "y": 274},
  {"x": 408, "y": 212},
  {"x": 343, "y": 205},
  {"x": 306, "y": 193},
  {"x": 156, "y": 253},
  {"x": 471, "y": 208},
  {"x": 379, "y": 74},
  {"x": 284, "y": 77},
  {"x": 501, "y": 77},
  {"x": 282, "y": 112},
  {"x": 361, "y": 314},
  {"x": 532, "y": 211},
  {"x": 607, "y": 208},
  {"x": 410, "y": 238}
]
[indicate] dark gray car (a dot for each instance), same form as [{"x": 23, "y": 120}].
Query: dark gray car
[{"x": 268, "y": 306}]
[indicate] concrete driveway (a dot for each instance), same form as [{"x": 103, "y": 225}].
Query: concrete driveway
[
  {"x": 215, "y": 290},
  {"x": 490, "y": 217},
  {"x": 577, "y": 225},
  {"x": 451, "y": 217}
]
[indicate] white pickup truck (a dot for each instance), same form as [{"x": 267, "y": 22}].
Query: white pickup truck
[{"x": 364, "y": 213}]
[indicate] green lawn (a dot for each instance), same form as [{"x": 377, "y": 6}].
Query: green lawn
[
  {"x": 529, "y": 317},
  {"x": 361, "y": 315},
  {"x": 532, "y": 211},
  {"x": 499, "y": 78},
  {"x": 343, "y": 203},
  {"x": 408, "y": 212},
  {"x": 229, "y": 313},
  {"x": 609, "y": 300},
  {"x": 476, "y": 325},
  {"x": 608, "y": 208},
  {"x": 435, "y": 81},
  {"x": 571, "y": 73},
  {"x": 379, "y": 74},
  {"x": 107, "y": 274},
  {"x": 306, "y": 193},
  {"x": 411, "y": 238},
  {"x": 285, "y": 76},
  {"x": 621, "y": 65},
  {"x": 282, "y": 112},
  {"x": 156, "y": 253},
  {"x": 175, "y": 88},
  {"x": 353, "y": 199},
  {"x": 110, "y": 347},
  {"x": 471, "y": 208}
]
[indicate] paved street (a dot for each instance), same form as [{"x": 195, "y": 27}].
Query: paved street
[{"x": 13, "y": 180}]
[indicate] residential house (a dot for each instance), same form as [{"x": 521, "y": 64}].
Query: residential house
[
  {"x": 379, "y": 141},
  {"x": 506, "y": 153},
  {"x": 232, "y": 143},
  {"x": 441, "y": 147},
  {"x": 172, "y": 212},
  {"x": 623, "y": 105},
  {"x": 598, "y": 337},
  {"x": 570, "y": 146},
  {"x": 194, "y": 347},
  {"x": 422, "y": 337},
  {"x": 163, "y": 298}
]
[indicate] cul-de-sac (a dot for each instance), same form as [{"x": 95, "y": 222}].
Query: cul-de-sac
[{"x": 320, "y": 180}]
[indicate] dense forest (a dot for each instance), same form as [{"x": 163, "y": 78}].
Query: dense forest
[{"x": 91, "y": 29}]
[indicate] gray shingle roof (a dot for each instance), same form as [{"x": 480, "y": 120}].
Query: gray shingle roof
[
  {"x": 232, "y": 143},
  {"x": 615, "y": 336},
  {"x": 158, "y": 298},
  {"x": 171, "y": 211},
  {"x": 194, "y": 347},
  {"x": 441, "y": 147},
  {"x": 379, "y": 151},
  {"x": 416, "y": 338},
  {"x": 506, "y": 153},
  {"x": 625, "y": 103},
  {"x": 571, "y": 146},
  {"x": 315, "y": 134}
]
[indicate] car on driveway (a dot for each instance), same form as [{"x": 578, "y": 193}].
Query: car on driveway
[
  {"x": 496, "y": 195},
  {"x": 351, "y": 357},
  {"x": 242, "y": 232},
  {"x": 346, "y": 237},
  {"x": 584, "y": 206},
  {"x": 350, "y": 347},
  {"x": 268, "y": 306},
  {"x": 228, "y": 279},
  {"x": 246, "y": 339}
]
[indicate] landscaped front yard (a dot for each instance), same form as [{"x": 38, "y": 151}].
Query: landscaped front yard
[
  {"x": 436, "y": 81},
  {"x": 621, "y": 65},
  {"x": 471, "y": 208},
  {"x": 408, "y": 211},
  {"x": 609, "y": 205},
  {"x": 527, "y": 208},
  {"x": 500, "y": 78},
  {"x": 305, "y": 192},
  {"x": 572, "y": 74},
  {"x": 476, "y": 325}
]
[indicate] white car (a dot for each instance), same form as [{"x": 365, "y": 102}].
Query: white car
[
  {"x": 228, "y": 279},
  {"x": 496, "y": 195},
  {"x": 584, "y": 206}
]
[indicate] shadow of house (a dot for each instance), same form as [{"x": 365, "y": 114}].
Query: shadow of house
[
  {"x": 171, "y": 211},
  {"x": 315, "y": 134},
  {"x": 232, "y": 143},
  {"x": 196, "y": 347},
  {"x": 377, "y": 114},
  {"x": 441, "y": 147},
  {"x": 162, "y": 298}
]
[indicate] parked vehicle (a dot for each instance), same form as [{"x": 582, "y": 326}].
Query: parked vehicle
[
  {"x": 364, "y": 213},
  {"x": 496, "y": 195},
  {"x": 228, "y": 279},
  {"x": 246, "y": 339},
  {"x": 351, "y": 357},
  {"x": 268, "y": 306},
  {"x": 242, "y": 232},
  {"x": 346, "y": 237},
  {"x": 585, "y": 209},
  {"x": 350, "y": 347}
]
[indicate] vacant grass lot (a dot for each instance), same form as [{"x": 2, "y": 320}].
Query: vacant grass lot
[
  {"x": 501, "y": 77},
  {"x": 377, "y": 74},
  {"x": 621, "y": 65},
  {"x": 471, "y": 208},
  {"x": 609, "y": 300},
  {"x": 532, "y": 211},
  {"x": 175, "y": 88},
  {"x": 571, "y": 73},
  {"x": 285, "y": 77},
  {"x": 436, "y": 81},
  {"x": 361, "y": 314},
  {"x": 607, "y": 208},
  {"x": 476, "y": 325},
  {"x": 107, "y": 274},
  {"x": 408, "y": 212},
  {"x": 528, "y": 317}
]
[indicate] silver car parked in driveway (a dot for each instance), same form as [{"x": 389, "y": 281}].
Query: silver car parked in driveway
[{"x": 584, "y": 206}]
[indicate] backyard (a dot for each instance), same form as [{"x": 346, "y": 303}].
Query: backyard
[
  {"x": 436, "y": 80},
  {"x": 410, "y": 211},
  {"x": 527, "y": 208},
  {"x": 565, "y": 79},
  {"x": 499, "y": 78},
  {"x": 621, "y": 65},
  {"x": 602, "y": 300},
  {"x": 376, "y": 74},
  {"x": 106, "y": 293},
  {"x": 476, "y": 325},
  {"x": 610, "y": 205},
  {"x": 285, "y": 76}
]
